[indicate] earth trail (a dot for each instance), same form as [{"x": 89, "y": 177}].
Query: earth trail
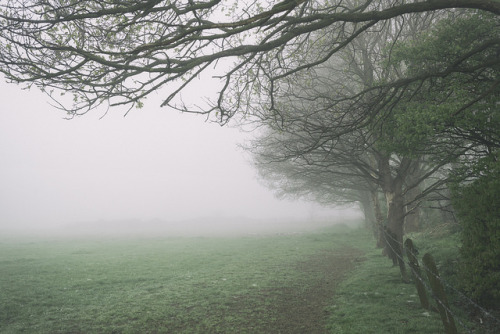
[{"x": 300, "y": 307}]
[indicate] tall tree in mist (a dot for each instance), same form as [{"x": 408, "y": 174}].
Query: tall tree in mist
[
  {"x": 290, "y": 174},
  {"x": 316, "y": 131},
  {"x": 458, "y": 114}
]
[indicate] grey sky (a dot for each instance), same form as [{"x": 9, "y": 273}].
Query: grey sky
[{"x": 154, "y": 163}]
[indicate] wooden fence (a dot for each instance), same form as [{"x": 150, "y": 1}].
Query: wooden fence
[{"x": 436, "y": 287}]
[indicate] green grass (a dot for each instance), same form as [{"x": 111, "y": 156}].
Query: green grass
[
  {"x": 199, "y": 285},
  {"x": 444, "y": 246},
  {"x": 152, "y": 285},
  {"x": 373, "y": 299}
]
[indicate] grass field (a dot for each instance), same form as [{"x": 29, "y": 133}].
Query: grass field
[
  {"x": 240, "y": 284},
  {"x": 156, "y": 285}
]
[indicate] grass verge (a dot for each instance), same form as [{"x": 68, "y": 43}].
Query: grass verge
[{"x": 373, "y": 299}]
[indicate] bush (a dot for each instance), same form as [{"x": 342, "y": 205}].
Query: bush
[{"x": 478, "y": 208}]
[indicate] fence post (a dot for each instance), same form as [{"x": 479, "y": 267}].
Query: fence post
[
  {"x": 439, "y": 295},
  {"x": 422, "y": 294},
  {"x": 395, "y": 253}
]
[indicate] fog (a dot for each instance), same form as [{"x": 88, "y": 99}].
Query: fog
[{"x": 153, "y": 168}]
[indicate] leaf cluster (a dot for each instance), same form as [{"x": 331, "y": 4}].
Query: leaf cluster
[
  {"x": 447, "y": 111},
  {"x": 478, "y": 208}
]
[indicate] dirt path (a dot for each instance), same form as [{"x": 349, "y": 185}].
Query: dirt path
[{"x": 301, "y": 308}]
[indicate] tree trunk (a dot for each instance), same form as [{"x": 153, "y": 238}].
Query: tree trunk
[
  {"x": 394, "y": 231},
  {"x": 368, "y": 211},
  {"x": 412, "y": 219},
  {"x": 392, "y": 185},
  {"x": 379, "y": 217}
]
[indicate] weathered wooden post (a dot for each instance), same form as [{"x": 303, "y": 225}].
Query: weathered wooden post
[
  {"x": 439, "y": 295},
  {"x": 422, "y": 294},
  {"x": 394, "y": 250}
]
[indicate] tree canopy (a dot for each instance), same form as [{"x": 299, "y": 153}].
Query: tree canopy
[
  {"x": 456, "y": 112},
  {"x": 118, "y": 52}
]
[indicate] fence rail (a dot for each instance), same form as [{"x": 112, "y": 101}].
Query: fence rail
[{"x": 433, "y": 285}]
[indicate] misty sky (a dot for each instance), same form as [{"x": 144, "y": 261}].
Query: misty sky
[{"x": 152, "y": 164}]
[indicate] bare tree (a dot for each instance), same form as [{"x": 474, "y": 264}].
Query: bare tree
[{"x": 318, "y": 181}]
